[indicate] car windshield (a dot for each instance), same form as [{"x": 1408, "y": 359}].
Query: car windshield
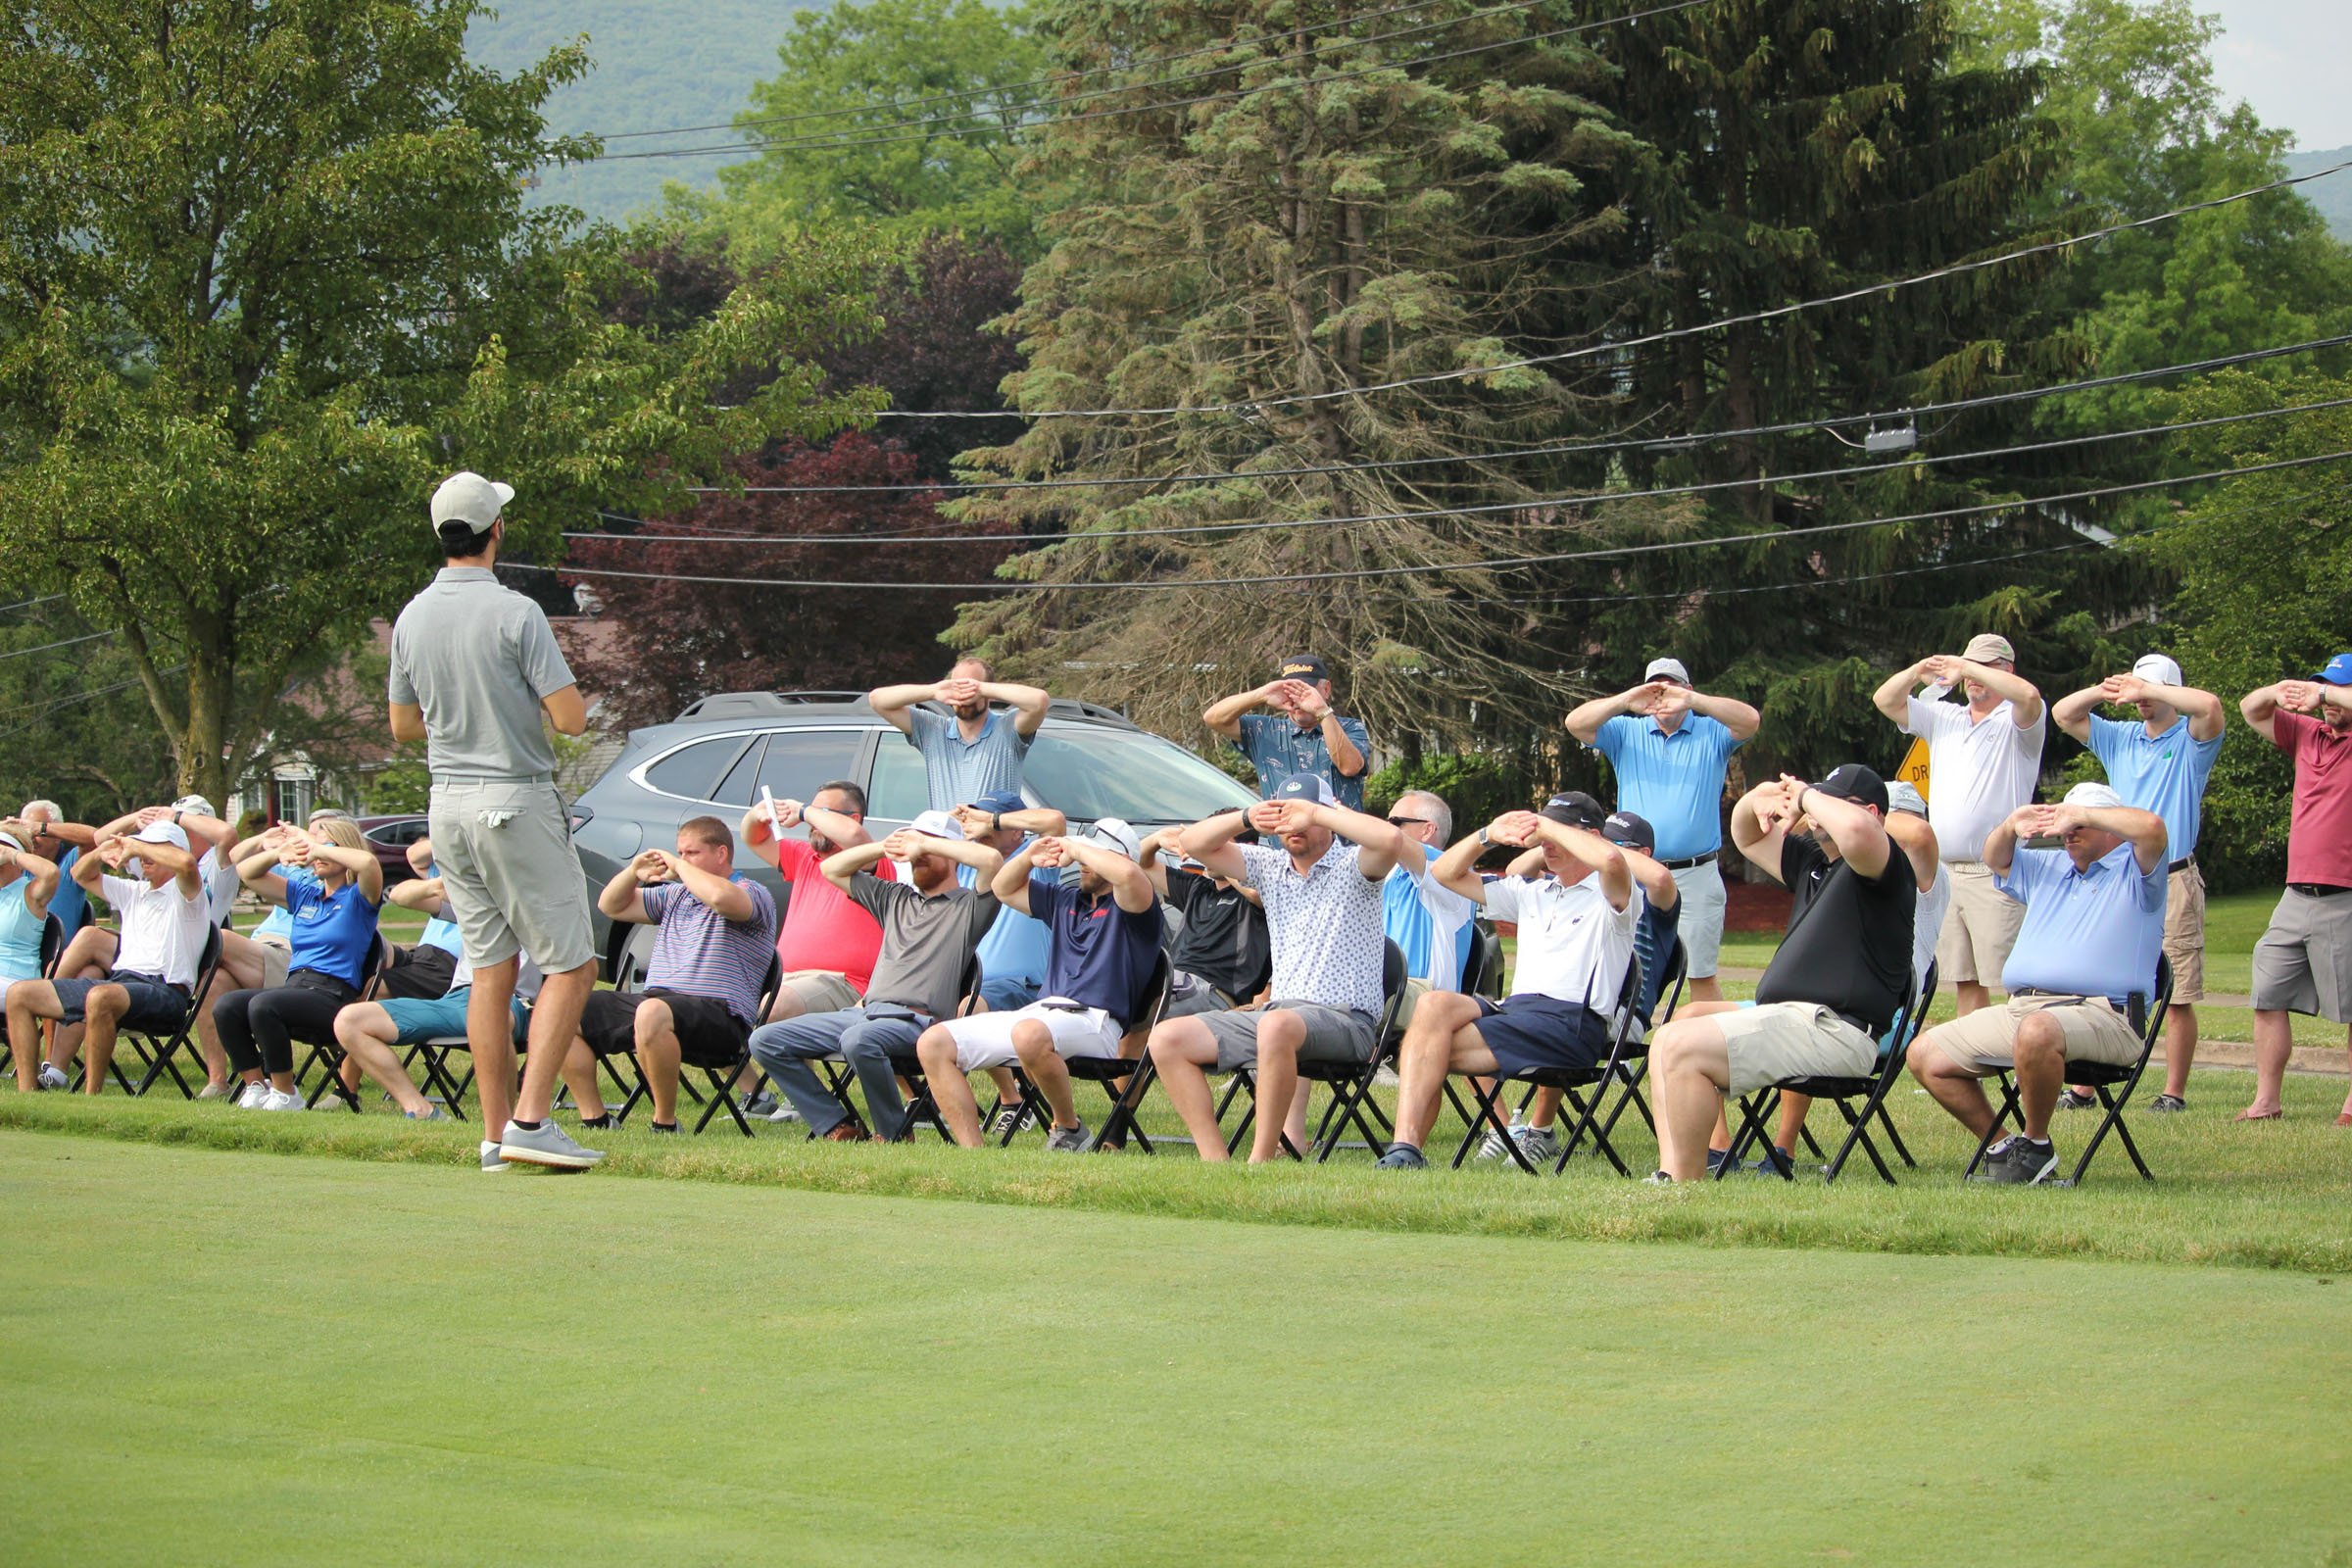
[{"x": 1099, "y": 771}]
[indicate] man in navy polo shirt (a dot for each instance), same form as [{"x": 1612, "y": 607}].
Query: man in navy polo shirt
[
  {"x": 1671, "y": 746},
  {"x": 1104, "y": 942},
  {"x": 2160, "y": 763},
  {"x": 2092, "y": 932}
]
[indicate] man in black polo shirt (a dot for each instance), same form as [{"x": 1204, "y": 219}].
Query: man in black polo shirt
[
  {"x": 1223, "y": 953},
  {"x": 1838, "y": 981}
]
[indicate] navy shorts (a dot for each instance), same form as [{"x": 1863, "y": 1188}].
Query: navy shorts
[
  {"x": 1528, "y": 1032},
  {"x": 154, "y": 1005}
]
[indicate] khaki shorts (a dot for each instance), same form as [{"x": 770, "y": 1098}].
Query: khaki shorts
[
  {"x": 1978, "y": 929},
  {"x": 1785, "y": 1040},
  {"x": 2184, "y": 933},
  {"x": 821, "y": 991},
  {"x": 508, "y": 868},
  {"x": 276, "y": 955},
  {"x": 1985, "y": 1041},
  {"x": 1414, "y": 990}
]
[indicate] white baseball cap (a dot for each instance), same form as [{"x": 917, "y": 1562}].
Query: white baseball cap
[
  {"x": 1671, "y": 669},
  {"x": 938, "y": 825},
  {"x": 2098, "y": 797},
  {"x": 467, "y": 497},
  {"x": 1112, "y": 833},
  {"x": 194, "y": 802},
  {"x": 162, "y": 832},
  {"x": 2157, "y": 668}
]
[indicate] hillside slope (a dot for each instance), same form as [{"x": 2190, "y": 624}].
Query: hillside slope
[
  {"x": 659, "y": 64},
  {"x": 2333, "y": 196}
]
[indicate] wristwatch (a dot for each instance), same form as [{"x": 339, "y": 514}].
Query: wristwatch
[{"x": 1483, "y": 839}]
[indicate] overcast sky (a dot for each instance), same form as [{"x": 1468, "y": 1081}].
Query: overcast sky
[{"x": 2287, "y": 58}]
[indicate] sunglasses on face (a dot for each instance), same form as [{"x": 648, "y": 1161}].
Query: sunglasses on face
[{"x": 1409, "y": 821}]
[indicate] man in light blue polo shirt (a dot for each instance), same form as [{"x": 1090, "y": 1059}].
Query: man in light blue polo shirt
[
  {"x": 972, "y": 749},
  {"x": 2160, "y": 763},
  {"x": 1671, "y": 746},
  {"x": 1430, "y": 922},
  {"x": 2094, "y": 930}
]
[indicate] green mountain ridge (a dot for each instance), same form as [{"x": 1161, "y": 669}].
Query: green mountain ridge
[
  {"x": 659, "y": 64},
  {"x": 2333, "y": 196}
]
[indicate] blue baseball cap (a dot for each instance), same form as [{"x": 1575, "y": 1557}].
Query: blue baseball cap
[
  {"x": 1304, "y": 787},
  {"x": 2338, "y": 671},
  {"x": 998, "y": 802}
]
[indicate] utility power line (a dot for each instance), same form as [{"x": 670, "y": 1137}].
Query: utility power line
[
  {"x": 1497, "y": 564},
  {"x": 1537, "y": 504}
]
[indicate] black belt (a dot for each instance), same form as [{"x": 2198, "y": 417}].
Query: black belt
[
  {"x": 2181, "y": 864},
  {"x": 1684, "y": 865},
  {"x": 2318, "y": 890}
]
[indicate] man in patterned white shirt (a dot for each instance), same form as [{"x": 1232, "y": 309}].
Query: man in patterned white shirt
[{"x": 1321, "y": 882}]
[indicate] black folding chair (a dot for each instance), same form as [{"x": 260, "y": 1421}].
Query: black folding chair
[
  {"x": 1487, "y": 1090},
  {"x": 1869, "y": 1090},
  {"x": 1908, "y": 1030},
  {"x": 1484, "y": 975},
  {"x": 53, "y": 945},
  {"x": 155, "y": 1048},
  {"x": 2146, "y": 1015},
  {"x": 722, "y": 1078},
  {"x": 908, "y": 1066},
  {"x": 1353, "y": 1102},
  {"x": 328, "y": 1051}
]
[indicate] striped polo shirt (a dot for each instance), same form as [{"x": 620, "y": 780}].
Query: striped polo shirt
[{"x": 703, "y": 953}]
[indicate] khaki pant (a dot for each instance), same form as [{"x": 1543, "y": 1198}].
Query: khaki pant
[
  {"x": 1978, "y": 929},
  {"x": 1985, "y": 1041}
]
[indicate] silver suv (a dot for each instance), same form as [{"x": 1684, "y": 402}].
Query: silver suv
[{"x": 1086, "y": 763}]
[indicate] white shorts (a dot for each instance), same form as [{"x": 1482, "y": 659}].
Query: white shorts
[{"x": 985, "y": 1038}]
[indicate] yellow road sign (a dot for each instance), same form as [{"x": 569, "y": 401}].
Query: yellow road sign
[{"x": 1914, "y": 770}]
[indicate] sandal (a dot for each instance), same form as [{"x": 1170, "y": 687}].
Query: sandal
[{"x": 2250, "y": 1115}]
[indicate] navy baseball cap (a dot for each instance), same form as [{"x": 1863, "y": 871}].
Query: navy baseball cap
[
  {"x": 1629, "y": 831},
  {"x": 1304, "y": 667},
  {"x": 2338, "y": 671},
  {"x": 1304, "y": 787},
  {"x": 1575, "y": 808},
  {"x": 999, "y": 802}
]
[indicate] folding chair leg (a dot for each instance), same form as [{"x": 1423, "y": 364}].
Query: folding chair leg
[{"x": 1122, "y": 1121}]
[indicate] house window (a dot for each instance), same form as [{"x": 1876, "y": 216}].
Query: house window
[{"x": 290, "y": 800}]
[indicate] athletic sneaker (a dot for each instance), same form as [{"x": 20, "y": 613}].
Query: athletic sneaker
[
  {"x": 2016, "y": 1161},
  {"x": 666, "y": 1128},
  {"x": 279, "y": 1099},
  {"x": 782, "y": 1113},
  {"x": 1765, "y": 1166},
  {"x": 1067, "y": 1140},
  {"x": 1658, "y": 1178},
  {"x": 490, "y": 1158},
  {"x": 604, "y": 1123},
  {"x": 545, "y": 1144},
  {"x": 1401, "y": 1156},
  {"x": 432, "y": 1113},
  {"x": 2166, "y": 1105},
  {"x": 2068, "y": 1100},
  {"x": 216, "y": 1091},
  {"x": 1539, "y": 1144},
  {"x": 1715, "y": 1159},
  {"x": 1010, "y": 1118},
  {"x": 759, "y": 1103},
  {"x": 52, "y": 1076},
  {"x": 1490, "y": 1146}
]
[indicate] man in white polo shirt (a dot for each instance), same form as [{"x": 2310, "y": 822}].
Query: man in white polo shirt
[{"x": 1984, "y": 757}]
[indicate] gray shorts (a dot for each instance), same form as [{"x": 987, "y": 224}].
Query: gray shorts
[
  {"x": 1700, "y": 924},
  {"x": 513, "y": 880},
  {"x": 2303, "y": 962},
  {"x": 1332, "y": 1034}
]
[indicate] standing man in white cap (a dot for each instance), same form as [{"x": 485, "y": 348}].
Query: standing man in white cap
[
  {"x": 1671, "y": 746},
  {"x": 2160, "y": 764},
  {"x": 473, "y": 666},
  {"x": 1984, "y": 758}
]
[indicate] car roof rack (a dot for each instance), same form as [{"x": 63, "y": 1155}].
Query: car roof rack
[{"x": 759, "y": 704}]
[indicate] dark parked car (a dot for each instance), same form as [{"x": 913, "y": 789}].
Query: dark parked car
[
  {"x": 1086, "y": 763},
  {"x": 390, "y": 837}
]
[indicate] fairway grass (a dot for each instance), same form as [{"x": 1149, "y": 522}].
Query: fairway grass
[
  {"x": 2275, "y": 1195},
  {"x": 231, "y": 1358}
]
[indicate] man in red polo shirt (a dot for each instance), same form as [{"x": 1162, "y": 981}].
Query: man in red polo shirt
[
  {"x": 826, "y": 944},
  {"x": 2303, "y": 962}
]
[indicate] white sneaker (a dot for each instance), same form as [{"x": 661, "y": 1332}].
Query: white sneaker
[
  {"x": 274, "y": 1099},
  {"x": 254, "y": 1093},
  {"x": 1491, "y": 1146},
  {"x": 52, "y": 1077}
]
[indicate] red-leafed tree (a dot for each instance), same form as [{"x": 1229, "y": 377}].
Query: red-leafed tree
[{"x": 677, "y": 640}]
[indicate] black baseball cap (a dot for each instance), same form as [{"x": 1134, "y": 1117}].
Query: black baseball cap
[
  {"x": 1575, "y": 808},
  {"x": 1304, "y": 667},
  {"x": 1855, "y": 782},
  {"x": 1629, "y": 831}
]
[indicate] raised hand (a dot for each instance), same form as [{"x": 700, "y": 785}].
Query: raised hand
[
  {"x": 295, "y": 848},
  {"x": 2300, "y": 696},
  {"x": 1514, "y": 828},
  {"x": 973, "y": 820},
  {"x": 149, "y": 816},
  {"x": 114, "y": 850},
  {"x": 1265, "y": 816},
  {"x": 654, "y": 865},
  {"x": 1050, "y": 854},
  {"x": 788, "y": 815},
  {"x": 2125, "y": 689},
  {"x": 1944, "y": 669},
  {"x": 1291, "y": 817},
  {"x": 958, "y": 691},
  {"x": 1669, "y": 700},
  {"x": 905, "y": 844}
]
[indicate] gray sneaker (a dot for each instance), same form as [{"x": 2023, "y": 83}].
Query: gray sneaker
[
  {"x": 1490, "y": 1146},
  {"x": 1009, "y": 1119},
  {"x": 759, "y": 1105},
  {"x": 545, "y": 1145},
  {"x": 490, "y": 1159},
  {"x": 2016, "y": 1162},
  {"x": 1539, "y": 1144},
  {"x": 432, "y": 1113},
  {"x": 1068, "y": 1140}
]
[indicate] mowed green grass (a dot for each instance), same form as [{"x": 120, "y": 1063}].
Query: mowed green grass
[{"x": 236, "y": 1358}]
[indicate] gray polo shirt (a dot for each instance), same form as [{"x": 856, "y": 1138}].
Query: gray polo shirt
[
  {"x": 477, "y": 658},
  {"x": 927, "y": 943}
]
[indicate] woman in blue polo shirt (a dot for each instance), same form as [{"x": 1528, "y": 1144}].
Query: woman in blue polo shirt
[{"x": 331, "y": 888}]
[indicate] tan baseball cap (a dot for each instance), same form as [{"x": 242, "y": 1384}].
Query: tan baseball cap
[{"x": 1986, "y": 648}]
